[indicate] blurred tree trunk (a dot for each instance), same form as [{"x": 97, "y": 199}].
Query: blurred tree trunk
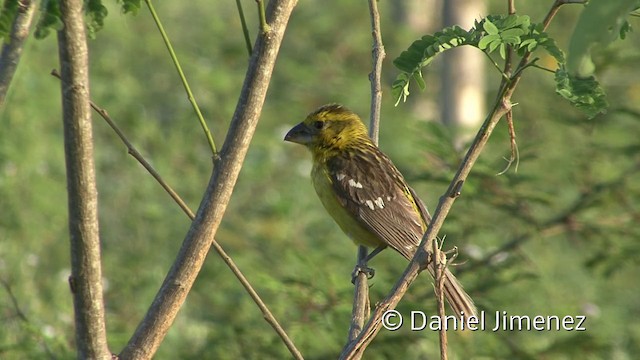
[{"x": 462, "y": 77}]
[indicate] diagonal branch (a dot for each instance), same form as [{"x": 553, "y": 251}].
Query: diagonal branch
[
  {"x": 501, "y": 107},
  {"x": 183, "y": 78},
  {"x": 179, "y": 280},
  {"x": 86, "y": 275}
]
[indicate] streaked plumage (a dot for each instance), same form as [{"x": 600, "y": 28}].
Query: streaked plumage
[{"x": 364, "y": 192}]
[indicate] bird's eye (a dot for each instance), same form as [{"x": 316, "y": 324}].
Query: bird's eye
[{"x": 318, "y": 124}]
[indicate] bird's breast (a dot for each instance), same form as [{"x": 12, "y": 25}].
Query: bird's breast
[{"x": 348, "y": 222}]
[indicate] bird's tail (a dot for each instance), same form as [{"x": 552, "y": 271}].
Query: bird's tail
[{"x": 458, "y": 299}]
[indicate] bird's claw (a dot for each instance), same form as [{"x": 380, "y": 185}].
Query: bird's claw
[{"x": 364, "y": 269}]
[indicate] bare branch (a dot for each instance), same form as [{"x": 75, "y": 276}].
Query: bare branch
[
  {"x": 86, "y": 275},
  {"x": 245, "y": 29},
  {"x": 515, "y": 153},
  {"x": 361, "y": 306},
  {"x": 439, "y": 260},
  {"x": 200, "y": 237},
  {"x": 183, "y": 78},
  {"x": 376, "y": 75}
]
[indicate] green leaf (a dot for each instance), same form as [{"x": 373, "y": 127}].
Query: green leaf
[
  {"x": 400, "y": 88},
  {"x": 493, "y": 45},
  {"x": 490, "y": 28},
  {"x": 515, "y": 33},
  {"x": 9, "y": 11},
  {"x": 50, "y": 19},
  {"x": 96, "y": 13},
  {"x": 486, "y": 40},
  {"x": 552, "y": 48},
  {"x": 584, "y": 93},
  {"x": 529, "y": 44},
  {"x": 130, "y": 6},
  {"x": 417, "y": 77},
  {"x": 421, "y": 53},
  {"x": 509, "y": 21}
]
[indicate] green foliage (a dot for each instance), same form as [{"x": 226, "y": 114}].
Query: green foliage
[
  {"x": 601, "y": 22},
  {"x": 130, "y": 6},
  {"x": 495, "y": 32},
  {"x": 49, "y": 19},
  {"x": 421, "y": 53},
  {"x": 9, "y": 10},
  {"x": 585, "y": 94},
  {"x": 500, "y": 32},
  {"x": 536, "y": 37},
  {"x": 96, "y": 13}
]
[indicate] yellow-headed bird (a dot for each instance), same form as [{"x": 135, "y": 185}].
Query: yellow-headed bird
[{"x": 364, "y": 192}]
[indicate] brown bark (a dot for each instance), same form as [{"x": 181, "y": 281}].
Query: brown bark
[
  {"x": 86, "y": 276},
  {"x": 181, "y": 276}
]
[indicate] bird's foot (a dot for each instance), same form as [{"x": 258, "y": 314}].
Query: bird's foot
[{"x": 362, "y": 269}]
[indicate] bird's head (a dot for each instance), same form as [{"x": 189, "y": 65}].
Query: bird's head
[{"x": 330, "y": 128}]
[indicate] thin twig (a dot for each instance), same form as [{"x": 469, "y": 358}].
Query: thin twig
[
  {"x": 437, "y": 257},
  {"x": 245, "y": 29},
  {"x": 23, "y": 317},
  {"x": 138, "y": 156},
  {"x": 361, "y": 305},
  {"x": 14, "y": 301},
  {"x": 508, "y": 64},
  {"x": 375, "y": 76},
  {"x": 554, "y": 10},
  {"x": 515, "y": 153},
  {"x": 264, "y": 26},
  {"x": 505, "y": 76},
  {"x": 183, "y": 78}
]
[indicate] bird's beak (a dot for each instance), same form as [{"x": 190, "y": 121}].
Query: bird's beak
[{"x": 299, "y": 134}]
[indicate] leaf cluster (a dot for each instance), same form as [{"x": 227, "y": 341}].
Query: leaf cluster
[
  {"x": 95, "y": 12},
  {"x": 9, "y": 10},
  {"x": 499, "y": 33}
]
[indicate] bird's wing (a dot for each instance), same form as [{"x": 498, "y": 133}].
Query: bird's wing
[{"x": 372, "y": 189}]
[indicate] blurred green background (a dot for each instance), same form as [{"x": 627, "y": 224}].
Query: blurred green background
[{"x": 571, "y": 209}]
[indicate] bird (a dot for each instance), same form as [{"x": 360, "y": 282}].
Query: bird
[{"x": 365, "y": 193}]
